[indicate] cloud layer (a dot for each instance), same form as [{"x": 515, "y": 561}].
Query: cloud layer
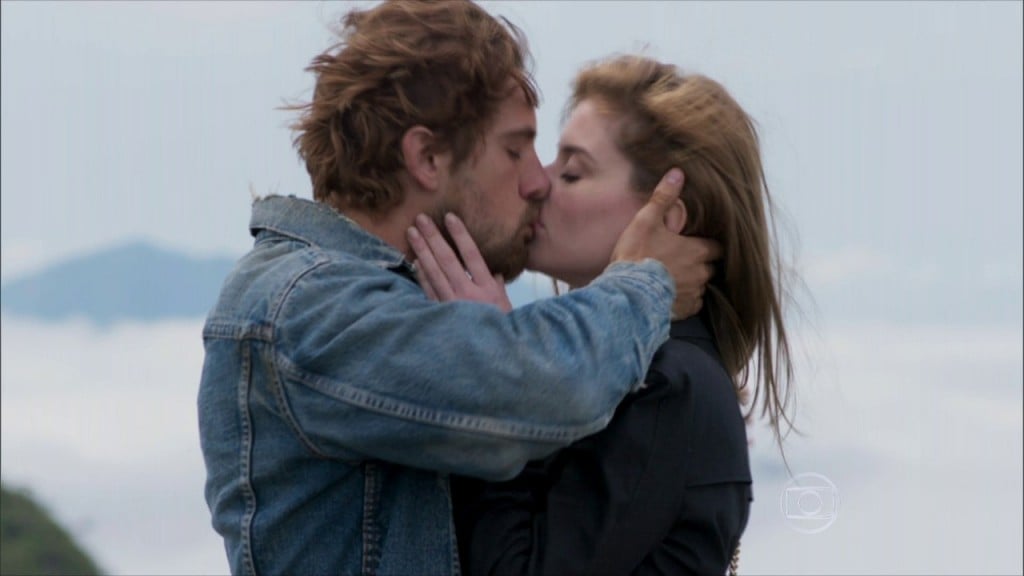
[{"x": 918, "y": 427}]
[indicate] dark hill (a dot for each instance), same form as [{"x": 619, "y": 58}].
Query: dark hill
[
  {"x": 134, "y": 281},
  {"x": 33, "y": 543}
]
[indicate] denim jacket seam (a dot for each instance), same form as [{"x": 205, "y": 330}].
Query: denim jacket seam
[
  {"x": 371, "y": 535},
  {"x": 483, "y": 425},
  {"x": 245, "y": 463},
  {"x": 232, "y": 331},
  {"x": 282, "y": 400},
  {"x": 277, "y": 382},
  {"x": 453, "y": 543},
  {"x": 287, "y": 233},
  {"x": 222, "y": 329},
  {"x": 319, "y": 260}
]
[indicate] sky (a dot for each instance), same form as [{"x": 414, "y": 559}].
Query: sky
[
  {"x": 891, "y": 131},
  {"x": 892, "y": 139}
]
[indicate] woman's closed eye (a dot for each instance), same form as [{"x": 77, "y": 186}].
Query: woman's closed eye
[{"x": 569, "y": 178}]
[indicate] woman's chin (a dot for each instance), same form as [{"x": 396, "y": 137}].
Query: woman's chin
[{"x": 533, "y": 264}]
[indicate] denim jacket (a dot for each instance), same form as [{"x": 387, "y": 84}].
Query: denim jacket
[{"x": 336, "y": 398}]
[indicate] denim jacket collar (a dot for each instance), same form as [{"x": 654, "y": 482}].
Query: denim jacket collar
[{"x": 322, "y": 226}]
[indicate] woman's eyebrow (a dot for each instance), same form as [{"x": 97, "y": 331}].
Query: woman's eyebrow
[{"x": 567, "y": 150}]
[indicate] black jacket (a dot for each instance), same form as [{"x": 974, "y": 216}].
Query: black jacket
[{"x": 665, "y": 489}]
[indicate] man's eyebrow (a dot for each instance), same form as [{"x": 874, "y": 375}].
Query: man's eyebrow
[{"x": 525, "y": 133}]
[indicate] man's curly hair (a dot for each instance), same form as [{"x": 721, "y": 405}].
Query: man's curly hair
[{"x": 445, "y": 65}]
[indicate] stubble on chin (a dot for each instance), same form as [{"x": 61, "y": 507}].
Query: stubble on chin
[{"x": 504, "y": 255}]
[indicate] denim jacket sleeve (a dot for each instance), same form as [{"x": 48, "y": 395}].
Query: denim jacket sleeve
[{"x": 368, "y": 367}]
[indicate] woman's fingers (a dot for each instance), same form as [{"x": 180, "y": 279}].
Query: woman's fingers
[
  {"x": 467, "y": 248},
  {"x": 447, "y": 261},
  {"x": 424, "y": 282},
  {"x": 501, "y": 295},
  {"x": 428, "y": 269},
  {"x": 441, "y": 274}
]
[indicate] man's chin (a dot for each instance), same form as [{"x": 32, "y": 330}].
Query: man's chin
[
  {"x": 509, "y": 264},
  {"x": 512, "y": 277},
  {"x": 511, "y": 271}
]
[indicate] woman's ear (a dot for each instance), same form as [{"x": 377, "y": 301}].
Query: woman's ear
[
  {"x": 422, "y": 162},
  {"x": 675, "y": 216}
]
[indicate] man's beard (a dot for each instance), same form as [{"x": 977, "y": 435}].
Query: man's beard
[{"x": 503, "y": 255}]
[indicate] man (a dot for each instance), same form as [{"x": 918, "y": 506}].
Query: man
[{"x": 336, "y": 397}]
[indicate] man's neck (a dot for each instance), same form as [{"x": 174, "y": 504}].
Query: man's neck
[{"x": 389, "y": 227}]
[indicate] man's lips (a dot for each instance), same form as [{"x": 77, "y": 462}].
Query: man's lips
[
  {"x": 534, "y": 229},
  {"x": 533, "y": 226},
  {"x": 529, "y": 233}
]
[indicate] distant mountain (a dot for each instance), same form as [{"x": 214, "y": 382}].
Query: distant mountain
[
  {"x": 135, "y": 281},
  {"x": 138, "y": 281},
  {"x": 33, "y": 543}
]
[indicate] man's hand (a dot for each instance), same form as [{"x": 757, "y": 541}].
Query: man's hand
[{"x": 688, "y": 259}]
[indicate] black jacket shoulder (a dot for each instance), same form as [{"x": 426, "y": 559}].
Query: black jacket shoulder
[{"x": 688, "y": 373}]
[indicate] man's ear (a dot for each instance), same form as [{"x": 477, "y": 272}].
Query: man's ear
[
  {"x": 675, "y": 216},
  {"x": 422, "y": 161}
]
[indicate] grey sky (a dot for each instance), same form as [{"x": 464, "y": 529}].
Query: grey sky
[{"x": 892, "y": 132}]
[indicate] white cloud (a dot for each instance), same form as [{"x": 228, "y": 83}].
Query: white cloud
[
  {"x": 918, "y": 426},
  {"x": 855, "y": 262},
  {"x": 1000, "y": 272},
  {"x": 920, "y": 429},
  {"x": 102, "y": 426},
  {"x": 862, "y": 282}
]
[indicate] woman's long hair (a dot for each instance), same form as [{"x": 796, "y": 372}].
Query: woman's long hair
[{"x": 666, "y": 119}]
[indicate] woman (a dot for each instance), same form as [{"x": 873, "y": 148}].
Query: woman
[{"x": 666, "y": 488}]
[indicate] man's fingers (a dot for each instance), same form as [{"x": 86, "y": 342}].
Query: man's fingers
[
  {"x": 687, "y": 308},
  {"x": 467, "y": 248},
  {"x": 697, "y": 249},
  {"x": 713, "y": 248},
  {"x": 702, "y": 250},
  {"x": 665, "y": 193},
  {"x": 428, "y": 267},
  {"x": 709, "y": 271}
]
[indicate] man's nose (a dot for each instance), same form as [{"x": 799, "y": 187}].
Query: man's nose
[{"x": 535, "y": 184}]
